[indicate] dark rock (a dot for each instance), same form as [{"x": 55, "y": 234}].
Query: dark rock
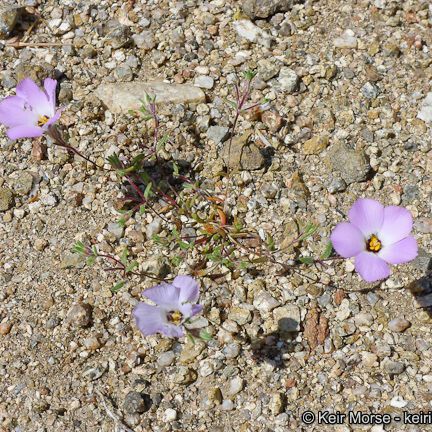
[
  {"x": 242, "y": 154},
  {"x": 6, "y": 199},
  {"x": 265, "y": 8},
  {"x": 8, "y": 18},
  {"x": 79, "y": 315},
  {"x": 352, "y": 165},
  {"x": 136, "y": 403}
]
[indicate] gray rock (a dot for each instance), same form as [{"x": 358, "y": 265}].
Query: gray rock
[
  {"x": 185, "y": 375},
  {"x": 122, "y": 97},
  {"x": 399, "y": 325},
  {"x": 370, "y": 91},
  {"x": 232, "y": 350},
  {"x": 204, "y": 81},
  {"x": 116, "y": 34},
  {"x": 423, "y": 261},
  {"x": 123, "y": 73},
  {"x": 145, "y": 40},
  {"x": 352, "y": 165},
  {"x": 136, "y": 403},
  {"x": 240, "y": 315},
  {"x": 71, "y": 260},
  {"x": 364, "y": 319},
  {"x": 166, "y": 358},
  {"x": 79, "y": 315},
  {"x": 217, "y": 134},
  {"x": 227, "y": 405},
  {"x": 267, "y": 69},
  {"x": 265, "y": 8},
  {"x": 6, "y": 199},
  {"x": 336, "y": 185},
  {"x": 288, "y": 318},
  {"x": 346, "y": 40},
  {"x": 8, "y": 18},
  {"x": 116, "y": 229},
  {"x": 393, "y": 367},
  {"x": 248, "y": 30},
  {"x": 153, "y": 228},
  {"x": 157, "y": 265},
  {"x": 242, "y": 155},
  {"x": 235, "y": 386},
  {"x": 288, "y": 80},
  {"x": 265, "y": 302},
  {"x": 425, "y": 112}
]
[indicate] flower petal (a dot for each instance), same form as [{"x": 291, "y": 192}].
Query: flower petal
[
  {"x": 164, "y": 294},
  {"x": 189, "y": 288},
  {"x": 24, "y": 131},
  {"x": 403, "y": 251},
  {"x": 149, "y": 319},
  {"x": 367, "y": 215},
  {"x": 371, "y": 267},
  {"x": 347, "y": 240},
  {"x": 50, "y": 86},
  {"x": 53, "y": 119},
  {"x": 196, "y": 309},
  {"x": 13, "y": 112},
  {"x": 172, "y": 330},
  {"x": 396, "y": 226},
  {"x": 36, "y": 97}
]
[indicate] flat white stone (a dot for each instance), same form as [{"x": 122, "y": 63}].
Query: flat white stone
[{"x": 122, "y": 97}]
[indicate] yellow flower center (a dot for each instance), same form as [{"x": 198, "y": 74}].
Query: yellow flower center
[
  {"x": 175, "y": 317},
  {"x": 42, "y": 120},
  {"x": 373, "y": 244}
]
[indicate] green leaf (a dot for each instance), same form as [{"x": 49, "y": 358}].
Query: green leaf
[
  {"x": 308, "y": 231},
  {"x": 306, "y": 260},
  {"x": 121, "y": 222},
  {"x": 190, "y": 338},
  {"x": 95, "y": 251},
  {"x": 175, "y": 169},
  {"x": 205, "y": 335},
  {"x": 244, "y": 265},
  {"x": 148, "y": 192},
  {"x": 114, "y": 161},
  {"x": 249, "y": 75},
  {"x": 91, "y": 260},
  {"x": 142, "y": 210},
  {"x": 327, "y": 251},
  {"x": 270, "y": 242},
  {"x": 124, "y": 257},
  {"x": 131, "y": 266},
  {"x": 176, "y": 260},
  {"x": 118, "y": 286},
  {"x": 184, "y": 245},
  {"x": 78, "y": 248}
]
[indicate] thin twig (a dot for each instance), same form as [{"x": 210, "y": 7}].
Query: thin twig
[
  {"x": 120, "y": 426},
  {"x": 35, "y": 44}
]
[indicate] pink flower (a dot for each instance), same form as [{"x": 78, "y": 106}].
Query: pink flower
[
  {"x": 32, "y": 111},
  {"x": 376, "y": 236},
  {"x": 175, "y": 304}
]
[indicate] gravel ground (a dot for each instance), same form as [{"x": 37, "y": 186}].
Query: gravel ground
[{"x": 348, "y": 117}]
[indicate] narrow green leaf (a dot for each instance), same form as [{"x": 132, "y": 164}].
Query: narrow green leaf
[
  {"x": 306, "y": 260},
  {"x": 118, "y": 286},
  {"x": 91, "y": 260},
  {"x": 327, "y": 251},
  {"x": 148, "y": 192},
  {"x": 205, "y": 335},
  {"x": 78, "y": 248},
  {"x": 131, "y": 266},
  {"x": 124, "y": 257}
]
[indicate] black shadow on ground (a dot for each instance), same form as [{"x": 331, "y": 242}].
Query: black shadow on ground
[{"x": 271, "y": 347}]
